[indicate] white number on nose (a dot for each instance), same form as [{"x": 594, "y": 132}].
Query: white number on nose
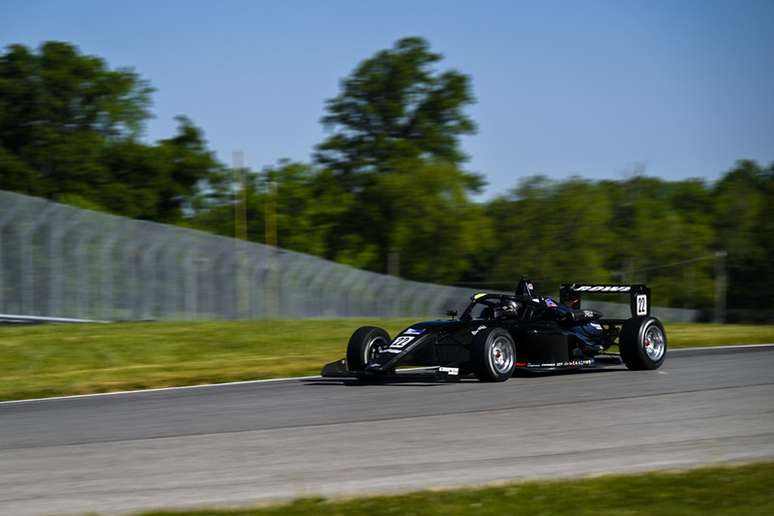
[{"x": 401, "y": 341}]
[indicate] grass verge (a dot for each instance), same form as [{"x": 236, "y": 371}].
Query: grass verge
[
  {"x": 51, "y": 360},
  {"x": 729, "y": 490}
]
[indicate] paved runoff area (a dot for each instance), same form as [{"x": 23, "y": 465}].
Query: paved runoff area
[{"x": 258, "y": 442}]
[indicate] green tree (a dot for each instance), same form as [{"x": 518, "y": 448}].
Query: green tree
[
  {"x": 156, "y": 182},
  {"x": 435, "y": 228},
  {"x": 395, "y": 148},
  {"x": 395, "y": 107},
  {"x": 662, "y": 227},
  {"x": 552, "y": 231},
  {"x": 640, "y": 230},
  {"x": 743, "y": 217},
  {"x": 69, "y": 129},
  {"x": 57, "y": 108},
  {"x": 307, "y": 203}
]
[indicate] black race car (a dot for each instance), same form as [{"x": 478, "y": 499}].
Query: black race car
[{"x": 500, "y": 334}]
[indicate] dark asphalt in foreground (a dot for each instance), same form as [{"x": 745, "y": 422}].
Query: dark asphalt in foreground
[{"x": 251, "y": 442}]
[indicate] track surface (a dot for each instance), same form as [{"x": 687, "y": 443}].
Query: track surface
[{"x": 256, "y": 442}]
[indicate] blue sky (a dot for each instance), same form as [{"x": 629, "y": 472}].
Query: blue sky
[{"x": 593, "y": 88}]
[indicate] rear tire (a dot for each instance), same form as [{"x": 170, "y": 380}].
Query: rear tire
[
  {"x": 643, "y": 343},
  {"x": 363, "y": 346},
  {"x": 493, "y": 355}
]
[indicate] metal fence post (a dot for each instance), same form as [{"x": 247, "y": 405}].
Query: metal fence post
[{"x": 9, "y": 209}]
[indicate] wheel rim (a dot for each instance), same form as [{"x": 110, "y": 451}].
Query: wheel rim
[
  {"x": 653, "y": 343},
  {"x": 372, "y": 348},
  {"x": 501, "y": 355}
]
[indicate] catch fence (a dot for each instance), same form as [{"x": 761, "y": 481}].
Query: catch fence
[{"x": 61, "y": 261}]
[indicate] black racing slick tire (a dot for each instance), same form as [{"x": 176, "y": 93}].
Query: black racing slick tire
[
  {"x": 493, "y": 355},
  {"x": 643, "y": 343},
  {"x": 363, "y": 346}
]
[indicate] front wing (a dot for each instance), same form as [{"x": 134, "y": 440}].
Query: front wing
[{"x": 338, "y": 369}]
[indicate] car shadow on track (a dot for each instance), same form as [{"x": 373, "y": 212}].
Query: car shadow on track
[
  {"x": 567, "y": 372},
  {"x": 354, "y": 382},
  {"x": 426, "y": 382}
]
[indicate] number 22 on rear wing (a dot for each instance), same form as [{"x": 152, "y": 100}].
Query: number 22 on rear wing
[{"x": 639, "y": 295}]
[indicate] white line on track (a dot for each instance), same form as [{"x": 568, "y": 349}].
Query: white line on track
[
  {"x": 291, "y": 378},
  {"x": 160, "y": 389}
]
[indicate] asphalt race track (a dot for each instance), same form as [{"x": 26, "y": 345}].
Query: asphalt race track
[{"x": 252, "y": 442}]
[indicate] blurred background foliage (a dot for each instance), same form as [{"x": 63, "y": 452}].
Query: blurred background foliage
[{"x": 387, "y": 190}]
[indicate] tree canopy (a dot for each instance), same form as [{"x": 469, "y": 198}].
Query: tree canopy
[
  {"x": 70, "y": 129},
  {"x": 395, "y": 147},
  {"x": 387, "y": 186},
  {"x": 395, "y": 107}
]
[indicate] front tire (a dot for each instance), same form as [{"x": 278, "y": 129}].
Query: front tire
[
  {"x": 643, "y": 343},
  {"x": 363, "y": 346},
  {"x": 493, "y": 355}
]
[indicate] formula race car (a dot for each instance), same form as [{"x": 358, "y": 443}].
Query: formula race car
[{"x": 499, "y": 334}]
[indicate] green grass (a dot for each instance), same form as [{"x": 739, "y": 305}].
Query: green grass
[
  {"x": 686, "y": 335},
  {"x": 49, "y": 360},
  {"x": 747, "y": 490}
]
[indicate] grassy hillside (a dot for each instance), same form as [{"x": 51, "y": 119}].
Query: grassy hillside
[{"x": 48, "y": 360}]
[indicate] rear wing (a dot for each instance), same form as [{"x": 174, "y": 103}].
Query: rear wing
[{"x": 639, "y": 295}]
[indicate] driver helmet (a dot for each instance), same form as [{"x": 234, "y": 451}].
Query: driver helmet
[{"x": 507, "y": 310}]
